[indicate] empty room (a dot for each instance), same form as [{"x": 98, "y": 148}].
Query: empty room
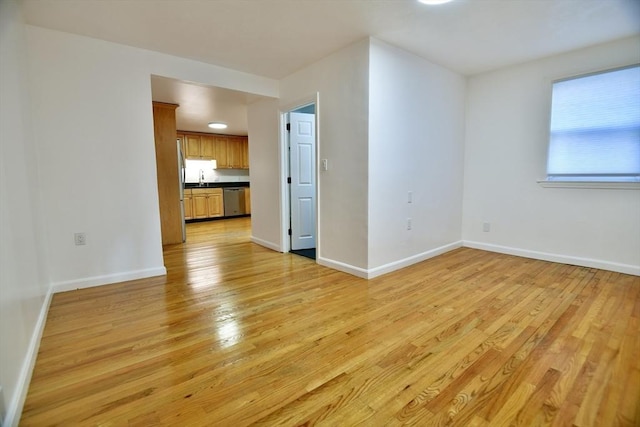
[{"x": 283, "y": 212}]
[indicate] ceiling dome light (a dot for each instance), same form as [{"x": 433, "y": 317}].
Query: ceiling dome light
[
  {"x": 434, "y": 2},
  {"x": 217, "y": 125}
]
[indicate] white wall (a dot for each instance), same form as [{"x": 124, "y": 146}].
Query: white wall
[
  {"x": 94, "y": 127},
  {"x": 416, "y": 143},
  {"x": 76, "y": 134},
  {"x": 341, "y": 79},
  {"x": 506, "y": 146},
  {"x": 92, "y": 110},
  {"x": 264, "y": 158},
  {"x": 23, "y": 270}
]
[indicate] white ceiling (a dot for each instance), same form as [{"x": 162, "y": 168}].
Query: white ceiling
[
  {"x": 275, "y": 38},
  {"x": 199, "y": 105}
]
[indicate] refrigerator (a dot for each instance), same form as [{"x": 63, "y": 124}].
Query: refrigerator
[{"x": 181, "y": 178}]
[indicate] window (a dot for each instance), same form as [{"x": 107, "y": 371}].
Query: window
[{"x": 595, "y": 127}]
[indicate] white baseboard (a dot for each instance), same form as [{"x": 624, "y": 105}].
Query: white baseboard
[
  {"x": 345, "y": 268},
  {"x": 266, "y": 244},
  {"x": 414, "y": 259},
  {"x": 89, "y": 282},
  {"x": 14, "y": 411},
  {"x": 563, "y": 259},
  {"x": 387, "y": 268}
]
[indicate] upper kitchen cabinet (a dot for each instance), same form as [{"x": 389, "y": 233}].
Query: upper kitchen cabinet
[
  {"x": 198, "y": 146},
  {"x": 229, "y": 151},
  {"x": 207, "y": 151},
  {"x": 220, "y": 144},
  {"x": 234, "y": 152},
  {"x": 245, "y": 154},
  {"x": 192, "y": 146}
]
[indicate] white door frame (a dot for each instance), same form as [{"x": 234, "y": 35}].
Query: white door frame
[{"x": 285, "y": 241}]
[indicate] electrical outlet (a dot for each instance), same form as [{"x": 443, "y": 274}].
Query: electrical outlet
[
  {"x": 408, "y": 223},
  {"x": 80, "y": 238},
  {"x": 410, "y": 197},
  {"x": 486, "y": 227}
]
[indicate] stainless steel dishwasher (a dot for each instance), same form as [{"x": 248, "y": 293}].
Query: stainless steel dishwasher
[{"x": 234, "y": 201}]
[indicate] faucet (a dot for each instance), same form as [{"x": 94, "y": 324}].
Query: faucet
[{"x": 201, "y": 178}]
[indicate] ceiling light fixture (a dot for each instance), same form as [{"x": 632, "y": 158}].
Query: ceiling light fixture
[
  {"x": 434, "y": 2},
  {"x": 217, "y": 125}
]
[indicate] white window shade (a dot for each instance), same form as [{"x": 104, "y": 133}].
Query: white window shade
[{"x": 595, "y": 127}]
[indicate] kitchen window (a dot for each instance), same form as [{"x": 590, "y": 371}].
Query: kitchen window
[{"x": 594, "y": 134}]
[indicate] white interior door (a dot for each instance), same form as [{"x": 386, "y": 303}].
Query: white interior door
[{"x": 302, "y": 163}]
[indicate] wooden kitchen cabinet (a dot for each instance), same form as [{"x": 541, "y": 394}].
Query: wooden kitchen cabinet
[
  {"x": 207, "y": 203},
  {"x": 247, "y": 200},
  {"x": 234, "y": 153},
  {"x": 207, "y": 151},
  {"x": 199, "y": 147},
  {"x": 199, "y": 205},
  {"x": 220, "y": 144},
  {"x": 245, "y": 153},
  {"x": 214, "y": 204},
  {"x": 192, "y": 146},
  {"x": 229, "y": 151},
  {"x": 188, "y": 205}
]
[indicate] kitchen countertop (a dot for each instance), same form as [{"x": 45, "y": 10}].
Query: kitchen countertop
[{"x": 216, "y": 184}]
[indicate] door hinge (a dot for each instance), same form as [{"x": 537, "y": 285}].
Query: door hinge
[
  {"x": 289, "y": 126},
  {"x": 289, "y": 232},
  {"x": 288, "y": 180}
]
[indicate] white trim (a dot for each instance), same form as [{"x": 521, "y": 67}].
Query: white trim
[
  {"x": 89, "y": 282},
  {"x": 285, "y": 215},
  {"x": 318, "y": 169},
  {"x": 266, "y": 244},
  {"x": 614, "y": 185},
  {"x": 345, "y": 268},
  {"x": 563, "y": 259},
  {"x": 414, "y": 259},
  {"x": 14, "y": 411},
  {"x": 285, "y": 243},
  {"x": 392, "y": 266}
]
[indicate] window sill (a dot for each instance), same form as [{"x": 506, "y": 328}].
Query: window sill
[{"x": 591, "y": 184}]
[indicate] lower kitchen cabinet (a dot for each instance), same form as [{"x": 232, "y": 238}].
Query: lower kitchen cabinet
[
  {"x": 214, "y": 204},
  {"x": 247, "y": 200},
  {"x": 206, "y": 203},
  {"x": 188, "y": 204}
]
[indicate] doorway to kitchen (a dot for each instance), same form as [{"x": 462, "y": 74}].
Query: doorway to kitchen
[
  {"x": 210, "y": 125},
  {"x": 302, "y": 179}
]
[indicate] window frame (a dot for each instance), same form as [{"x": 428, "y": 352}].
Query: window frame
[{"x": 574, "y": 181}]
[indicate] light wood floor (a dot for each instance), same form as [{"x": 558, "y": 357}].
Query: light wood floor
[{"x": 237, "y": 334}]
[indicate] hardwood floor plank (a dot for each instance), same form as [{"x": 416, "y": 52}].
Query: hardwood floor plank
[
  {"x": 534, "y": 406},
  {"x": 507, "y": 414},
  {"x": 237, "y": 335}
]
